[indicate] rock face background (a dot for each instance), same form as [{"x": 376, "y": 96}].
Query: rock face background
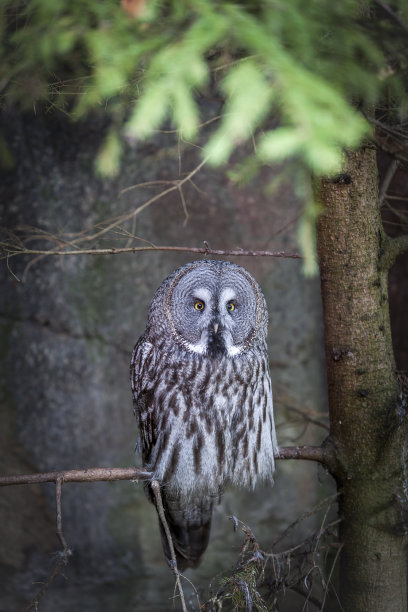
[{"x": 67, "y": 332}]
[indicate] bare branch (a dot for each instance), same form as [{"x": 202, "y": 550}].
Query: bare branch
[
  {"x": 87, "y": 475},
  {"x": 394, "y": 247},
  {"x": 13, "y": 250},
  {"x": 307, "y": 453},
  {"x": 68, "y": 244}
]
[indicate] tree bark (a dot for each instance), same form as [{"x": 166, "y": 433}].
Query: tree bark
[{"x": 368, "y": 423}]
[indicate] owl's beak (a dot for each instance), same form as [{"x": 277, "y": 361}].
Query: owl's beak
[{"x": 216, "y": 326}]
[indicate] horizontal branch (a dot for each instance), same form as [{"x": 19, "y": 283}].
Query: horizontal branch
[
  {"x": 12, "y": 250},
  {"x": 88, "y": 475},
  {"x": 392, "y": 249},
  {"x": 308, "y": 453}
]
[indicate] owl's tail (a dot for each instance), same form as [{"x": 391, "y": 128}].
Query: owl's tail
[{"x": 190, "y": 527}]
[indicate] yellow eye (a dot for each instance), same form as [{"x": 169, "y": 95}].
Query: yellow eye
[
  {"x": 231, "y": 306},
  {"x": 199, "y": 305}
]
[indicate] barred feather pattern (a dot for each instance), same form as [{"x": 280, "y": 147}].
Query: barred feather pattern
[{"x": 205, "y": 420}]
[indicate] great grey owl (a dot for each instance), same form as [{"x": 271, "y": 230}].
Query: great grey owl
[{"x": 202, "y": 395}]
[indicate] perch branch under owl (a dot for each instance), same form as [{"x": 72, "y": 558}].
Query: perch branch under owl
[{"x": 307, "y": 453}]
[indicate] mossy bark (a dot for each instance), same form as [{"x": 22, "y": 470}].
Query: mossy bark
[{"x": 368, "y": 426}]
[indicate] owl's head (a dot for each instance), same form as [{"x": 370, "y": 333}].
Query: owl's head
[{"x": 211, "y": 308}]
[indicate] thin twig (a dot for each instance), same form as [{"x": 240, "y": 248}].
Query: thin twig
[
  {"x": 58, "y": 569},
  {"x": 125, "y": 217},
  {"x": 184, "y": 205},
  {"x": 298, "y": 547},
  {"x": 328, "y": 501},
  {"x": 389, "y": 175},
  {"x": 195, "y": 591},
  {"x": 313, "y": 600},
  {"x": 397, "y": 197},
  {"x": 306, "y": 415},
  {"x": 10, "y": 270},
  {"x": 65, "y": 553},
  {"x": 400, "y": 214},
  {"x": 330, "y": 575},
  {"x": 160, "y": 510},
  {"x": 58, "y": 493},
  {"x": 393, "y": 14}
]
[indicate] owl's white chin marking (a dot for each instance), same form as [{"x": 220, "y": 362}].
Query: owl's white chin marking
[
  {"x": 234, "y": 350},
  {"x": 199, "y": 348},
  {"x": 202, "y": 347}
]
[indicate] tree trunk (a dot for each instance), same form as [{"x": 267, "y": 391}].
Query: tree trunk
[{"x": 368, "y": 430}]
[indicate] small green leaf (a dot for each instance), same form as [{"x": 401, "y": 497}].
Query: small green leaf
[
  {"x": 150, "y": 111},
  {"x": 323, "y": 158},
  {"x": 249, "y": 96},
  {"x": 185, "y": 111},
  {"x": 108, "y": 159},
  {"x": 307, "y": 238},
  {"x": 280, "y": 143}
]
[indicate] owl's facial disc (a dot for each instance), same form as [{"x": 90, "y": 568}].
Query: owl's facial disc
[{"x": 213, "y": 313}]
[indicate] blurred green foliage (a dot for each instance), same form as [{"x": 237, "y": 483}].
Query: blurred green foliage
[{"x": 293, "y": 74}]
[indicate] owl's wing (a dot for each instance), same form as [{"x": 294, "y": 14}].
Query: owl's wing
[{"x": 143, "y": 374}]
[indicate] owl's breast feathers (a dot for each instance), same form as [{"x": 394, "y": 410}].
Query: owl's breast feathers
[{"x": 203, "y": 421}]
